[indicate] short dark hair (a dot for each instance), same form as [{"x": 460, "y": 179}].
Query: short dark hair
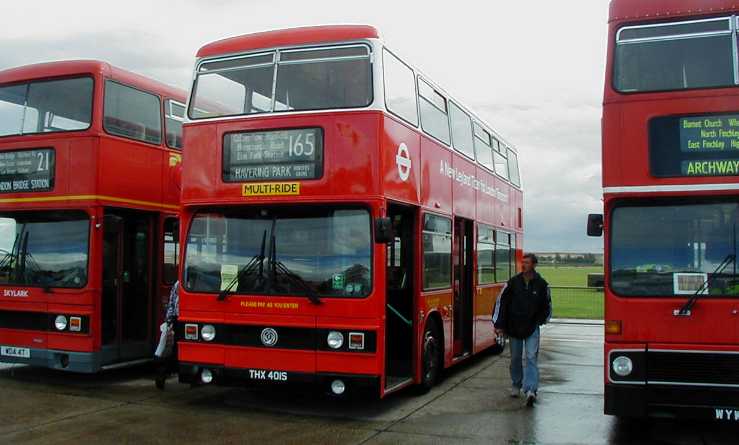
[{"x": 532, "y": 257}]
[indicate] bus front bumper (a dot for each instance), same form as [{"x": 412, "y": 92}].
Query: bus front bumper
[
  {"x": 192, "y": 373},
  {"x": 82, "y": 362},
  {"x": 673, "y": 401}
]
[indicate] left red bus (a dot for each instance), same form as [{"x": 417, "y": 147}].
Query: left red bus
[{"x": 89, "y": 199}]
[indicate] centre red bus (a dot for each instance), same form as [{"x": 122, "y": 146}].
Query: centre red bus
[
  {"x": 347, "y": 222},
  {"x": 671, "y": 189},
  {"x": 89, "y": 199}
]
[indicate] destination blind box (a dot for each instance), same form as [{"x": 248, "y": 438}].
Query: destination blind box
[
  {"x": 700, "y": 145},
  {"x": 273, "y": 155},
  {"x": 27, "y": 170}
]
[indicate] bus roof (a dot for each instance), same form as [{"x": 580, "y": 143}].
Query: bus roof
[
  {"x": 288, "y": 37},
  {"x": 78, "y": 67},
  {"x": 656, "y": 9}
]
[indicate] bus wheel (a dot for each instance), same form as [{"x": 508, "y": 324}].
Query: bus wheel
[{"x": 432, "y": 354}]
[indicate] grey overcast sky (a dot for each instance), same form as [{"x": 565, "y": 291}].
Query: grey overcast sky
[{"x": 533, "y": 70}]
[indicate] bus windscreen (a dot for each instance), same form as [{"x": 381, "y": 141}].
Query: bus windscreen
[
  {"x": 328, "y": 250},
  {"x": 44, "y": 249},
  {"x": 673, "y": 249},
  {"x": 285, "y": 80},
  {"x": 46, "y": 106}
]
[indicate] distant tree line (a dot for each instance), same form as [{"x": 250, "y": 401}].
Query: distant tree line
[{"x": 575, "y": 259}]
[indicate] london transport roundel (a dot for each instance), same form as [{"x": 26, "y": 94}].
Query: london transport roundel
[
  {"x": 403, "y": 159},
  {"x": 269, "y": 337}
]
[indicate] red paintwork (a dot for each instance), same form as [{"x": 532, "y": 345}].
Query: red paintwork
[
  {"x": 93, "y": 170},
  {"x": 659, "y": 9},
  {"x": 359, "y": 167},
  {"x": 649, "y": 322},
  {"x": 309, "y": 35}
]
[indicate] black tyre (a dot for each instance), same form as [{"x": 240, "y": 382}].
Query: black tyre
[{"x": 433, "y": 349}]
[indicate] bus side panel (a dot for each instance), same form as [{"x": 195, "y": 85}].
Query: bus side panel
[
  {"x": 484, "y": 201},
  {"x": 436, "y": 182},
  {"x": 401, "y": 161},
  {"x": 131, "y": 166},
  {"x": 171, "y": 177},
  {"x": 463, "y": 188},
  {"x": 485, "y": 299}
]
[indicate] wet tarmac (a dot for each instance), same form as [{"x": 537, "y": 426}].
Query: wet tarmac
[{"x": 471, "y": 405}]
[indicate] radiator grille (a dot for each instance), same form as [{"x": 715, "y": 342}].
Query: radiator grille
[{"x": 706, "y": 368}]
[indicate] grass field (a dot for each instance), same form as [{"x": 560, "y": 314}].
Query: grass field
[
  {"x": 568, "y": 275},
  {"x": 570, "y": 297}
]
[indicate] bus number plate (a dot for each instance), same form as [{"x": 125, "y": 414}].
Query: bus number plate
[
  {"x": 272, "y": 376},
  {"x": 11, "y": 351}
]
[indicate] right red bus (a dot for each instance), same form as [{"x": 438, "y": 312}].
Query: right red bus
[{"x": 671, "y": 201}]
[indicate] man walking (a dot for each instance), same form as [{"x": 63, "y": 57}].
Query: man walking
[{"x": 523, "y": 306}]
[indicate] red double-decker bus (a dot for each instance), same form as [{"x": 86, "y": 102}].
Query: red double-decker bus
[
  {"x": 89, "y": 200},
  {"x": 348, "y": 222},
  {"x": 671, "y": 184}
]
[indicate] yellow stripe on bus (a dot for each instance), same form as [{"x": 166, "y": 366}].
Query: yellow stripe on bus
[{"x": 84, "y": 198}]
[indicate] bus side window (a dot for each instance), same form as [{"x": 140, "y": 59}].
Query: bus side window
[
  {"x": 400, "y": 88},
  {"x": 132, "y": 113},
  {"x": 485, "y": 255},
  {"x": 503, "y": 255},
  {"x": 174, "y": 116},
  {"x": 171, "y": 250},
  {"x": 434, "y": 120},
  {"x": 461, "y": 130},
  {"x": 437, "y": 252}
]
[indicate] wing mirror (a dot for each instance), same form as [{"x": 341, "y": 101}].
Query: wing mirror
[
  {"x": 595, "y": 224},
  {"x": 383, "y": 230}
]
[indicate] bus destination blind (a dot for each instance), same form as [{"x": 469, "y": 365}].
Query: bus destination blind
[
  {"x": 706, "y": 145},
  {"x": 27, "y": 170},
  {"x": 273, "y": 155}
]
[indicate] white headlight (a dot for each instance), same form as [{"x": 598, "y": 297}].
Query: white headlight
[
  {"x": 335, "y": 339},
  {"x": 60, "y": 322},
  {"x": 206, "y": 376},
  {"x": 208, "y": 332},
  {"x": 623, "y": 366},
  {"x": 338, "y": 387}
]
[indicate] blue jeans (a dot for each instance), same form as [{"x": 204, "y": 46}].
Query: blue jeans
[{"x": 528, "y": 378}]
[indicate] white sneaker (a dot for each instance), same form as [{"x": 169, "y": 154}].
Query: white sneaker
[
  {"x": 530, "y": 398},
  {"x": 515, "y": 392}
]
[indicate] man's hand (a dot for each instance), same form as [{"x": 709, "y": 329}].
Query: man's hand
[{"x": 499, "y": 332}]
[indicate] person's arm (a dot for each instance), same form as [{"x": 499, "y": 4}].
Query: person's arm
[
  {"x": 173, "y": 304},
  {"x": 500, "y": 312}
]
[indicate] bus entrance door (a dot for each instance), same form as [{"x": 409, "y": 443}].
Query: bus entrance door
[
  {"x": 399, "y": 308},
  {"x": 463, "y": 287},
  {"x": 127, "y": 286}
]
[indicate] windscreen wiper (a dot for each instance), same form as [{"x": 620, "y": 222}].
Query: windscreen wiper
[
  {"x": 279, "y": 266},
  {"x": 255, "y": 261},
  {"x": 10, "y": 255},
  {"x": 685, "y": 311}
]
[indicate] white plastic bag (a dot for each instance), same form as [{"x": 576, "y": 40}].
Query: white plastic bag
[{"x": 165, "y": 329}]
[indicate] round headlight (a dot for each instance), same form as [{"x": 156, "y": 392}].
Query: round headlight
[
  {"x": 206, "y": 376},
  {"x": 208, "y": 332},
  {"x": 60, "y": 322},
  {"x": 623, "y": 366},
  {"x": 335, "y": 339},
  {"x": 338, "y": 387}
]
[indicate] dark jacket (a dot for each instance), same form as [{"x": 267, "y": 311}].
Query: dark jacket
[{"x": 522, "y": 307}]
